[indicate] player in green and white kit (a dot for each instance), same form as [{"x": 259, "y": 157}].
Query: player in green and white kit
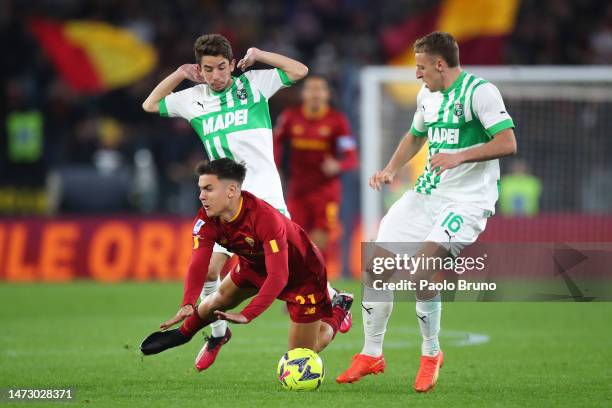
[
  {"x": 467, "y": 127},
  {"x": 231, "y": 117}
]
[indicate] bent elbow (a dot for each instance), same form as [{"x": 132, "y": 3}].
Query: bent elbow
[
  {"x": 149, "y": 107},
  {"x": 512, "y": 148},
  {"x": 301, "y": 72}
]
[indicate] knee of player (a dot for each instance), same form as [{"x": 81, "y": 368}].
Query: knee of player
[
  {"x": 326, "y": 335},
  {"x": 222, "y": 299}
]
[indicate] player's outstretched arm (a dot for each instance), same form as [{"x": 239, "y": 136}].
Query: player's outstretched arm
[
  {"x": 183, "y": 313},
  {"x": 235, "y": 318},
  {"x": 503, "y": 144},
  {"x": 168, "y": 84},
  {"x": 295, "y": 70},
  {"x": 406, "y": 150}
]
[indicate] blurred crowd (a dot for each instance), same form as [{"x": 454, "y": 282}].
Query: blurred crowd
[{"x": 85, "y": 138}]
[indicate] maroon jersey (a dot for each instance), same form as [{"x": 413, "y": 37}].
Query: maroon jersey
[
  {"x": 268, "y": 244},
  {"x": 311, "y": 139}
]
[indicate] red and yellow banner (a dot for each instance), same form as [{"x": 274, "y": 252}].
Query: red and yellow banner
[
  {"x": 101, "y": 248},
  {"x": 93, "y": 56},
  {"x": 479, "y": 26},
  {"x": 107, "y": 250}
]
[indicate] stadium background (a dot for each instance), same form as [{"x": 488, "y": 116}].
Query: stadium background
[
  {"x": 90, "y": 185},
  {"x": 97, "y": 197}
]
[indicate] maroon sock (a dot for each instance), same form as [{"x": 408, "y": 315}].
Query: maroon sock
[
  {"x": 193, "y": 324},
  {"x": 336, "y": 320}
]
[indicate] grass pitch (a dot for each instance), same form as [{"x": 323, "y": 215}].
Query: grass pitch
[{"x": 86, "y": 335}]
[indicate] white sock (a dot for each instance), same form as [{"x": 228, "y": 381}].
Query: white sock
[
  {"x": 331, "y": 291},
  {"x": 220, "y": 326},
  {"x": 428, "y": 315},
  {"x": 375, "y": 317}
]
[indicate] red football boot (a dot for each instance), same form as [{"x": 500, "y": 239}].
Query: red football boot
[
  {"x": 207, "y": 355},
  {"x": 347, "y": 323}
]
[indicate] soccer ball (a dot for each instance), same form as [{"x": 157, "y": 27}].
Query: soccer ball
[{"x": 300, "y": 369}]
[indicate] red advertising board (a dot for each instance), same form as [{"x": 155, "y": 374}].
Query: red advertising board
[
  {"x": 111, "y": 249},
  {"x": 105, "y": 249}
]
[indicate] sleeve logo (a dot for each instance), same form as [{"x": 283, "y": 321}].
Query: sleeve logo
[
  {"x": 198, "y": 225},
  {"x": 274, "y": 246}
]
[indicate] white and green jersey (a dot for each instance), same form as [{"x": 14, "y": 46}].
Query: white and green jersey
[
  {"x": 235, "y": 123},
  {"x": 466, "y": 115}
]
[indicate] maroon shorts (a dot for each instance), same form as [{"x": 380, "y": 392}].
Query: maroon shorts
[
  {"x": 307, "y": 301},
  {"x": 315, "y": 211}
]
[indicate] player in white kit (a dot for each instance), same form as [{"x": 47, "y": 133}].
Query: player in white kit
[
  {"x": 467, "y": 127},
  {"x": 231, "y": 117}
]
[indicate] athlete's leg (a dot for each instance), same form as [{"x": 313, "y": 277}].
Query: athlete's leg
[
  {"x": 455, "y": 226},
  {"x": 227, "y": 297},
  {"x": 304, "y": 335},
  {"x": 324, "y": 215},
  {"x": 217, "y": 261},
  {"x": 341, "y": 306},
  {"x": 405, "y": 222},
  {"x": 211, "y": 348}
]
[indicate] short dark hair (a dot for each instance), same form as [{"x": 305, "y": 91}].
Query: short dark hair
[
  {"x": 212, "y": 44},
  {"x": 441, "y": 44},
  {"x": 224, "y": 169},
  {"x": 318, "y": 76}
]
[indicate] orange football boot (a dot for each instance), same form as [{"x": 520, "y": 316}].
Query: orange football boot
[
  {"x": 428, "y": 372},
  {"x": 361, "y": 366}
]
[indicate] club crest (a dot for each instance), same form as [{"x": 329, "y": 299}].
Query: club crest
[
  {"x": 241, "y": 94},
  {"x": 458, "y": 110}
]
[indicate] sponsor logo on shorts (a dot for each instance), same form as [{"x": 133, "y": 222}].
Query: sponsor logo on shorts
[{"x": 310, "y": 310}]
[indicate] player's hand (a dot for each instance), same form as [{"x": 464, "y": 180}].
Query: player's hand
[
  {"x": 445, "y": 161},
  {"x": 183, "y": 313},
  {"x": 381, "y": 177},
  {"x": 330, "y": 166},
  {"x": 249, "y": 58},
  {"x": 231, "y": 317},
  {"x": 192, "y": 72}
]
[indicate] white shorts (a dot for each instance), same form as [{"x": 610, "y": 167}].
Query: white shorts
[
  {"x": 276, "y": 202},
  {"x": 419, "y": 217}
]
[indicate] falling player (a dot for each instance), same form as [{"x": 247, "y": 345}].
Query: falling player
[
  {"x": 276, "y": 260},
  {"x": 231, "y": 117},
  {"x": 464, "y": 119}
]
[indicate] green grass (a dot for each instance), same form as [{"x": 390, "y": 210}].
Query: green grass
[{"x": 86, "y": 336}]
